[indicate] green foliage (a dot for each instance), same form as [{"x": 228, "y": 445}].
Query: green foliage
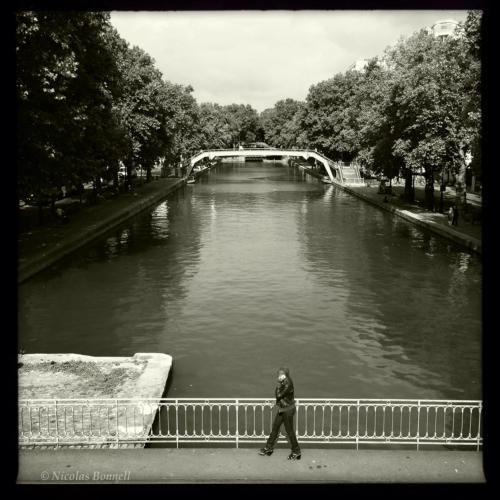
[
  {"x": 330, "y": 116},
  {"x": 227, "y": 126},
  {"x": 243, "y": 122},
  {"x": 215, "y": 127},
  {"x": 281, "y": 124},
  {"x": 66, "y": 82},
  {"x": 182, "y": 121},
  {"x": 429, "y": 96}
]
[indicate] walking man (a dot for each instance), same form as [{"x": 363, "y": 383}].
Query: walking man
[{"x": 285, "y": 404}]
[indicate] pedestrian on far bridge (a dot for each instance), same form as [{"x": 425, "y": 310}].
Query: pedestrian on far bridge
[{"x": 285, "y": 404}]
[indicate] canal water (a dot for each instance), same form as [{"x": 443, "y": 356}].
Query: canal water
[{"x": 257, "y": 266}]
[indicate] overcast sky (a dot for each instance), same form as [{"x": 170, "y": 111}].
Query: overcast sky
[{"x": 260, "y": 57}]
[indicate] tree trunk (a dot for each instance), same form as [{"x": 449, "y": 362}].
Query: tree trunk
[
  {"x": 129, "y": 173},
  {"x": 148, "y": 173},
  {"x": 409, "y": 194},
  {"x": 429, "y": 188},
  {"x": 460, "y": 185},
  {"x": 96, "y": 182}
]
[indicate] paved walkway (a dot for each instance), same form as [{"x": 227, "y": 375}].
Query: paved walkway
[
  {"x": 43, "y": 246},
  {"x": 162, "y": 465},
  {"x": 465, "y": 233}
]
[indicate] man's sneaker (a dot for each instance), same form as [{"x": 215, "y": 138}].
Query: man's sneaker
[
  {"x": 294, "y": 456},
  {"x": 265, "y": 451}
]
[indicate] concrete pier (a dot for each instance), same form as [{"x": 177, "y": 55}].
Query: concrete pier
[{"x": 87, "y": 379}]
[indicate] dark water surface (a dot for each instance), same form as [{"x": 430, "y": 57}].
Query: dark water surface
[{"x": 258, "y": 266}]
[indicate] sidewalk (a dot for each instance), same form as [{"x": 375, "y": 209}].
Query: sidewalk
[
  {"x": 465, "y": 233},
  {"x": 43, "y": 246},
  {"x": 215, "y": 465}
]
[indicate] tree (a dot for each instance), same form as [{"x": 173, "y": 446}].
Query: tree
[
  {"x": 215, "y": 129},
  {"x": 329, "y": 119},
  {"x": 139, "y": 106},
  {"x": 470, "y": 40},
  {"x": 429, "y": 105},
  {"x": 376, "y": 133},
  {"x": 243, "y": 122},
  {"x": 281, "y": 123},
  {"x": 65, "y": 82},
  {"x": 182, "y": 121}
]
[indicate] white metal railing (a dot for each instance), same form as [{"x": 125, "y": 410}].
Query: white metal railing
[{"x": 121, "y": 422}]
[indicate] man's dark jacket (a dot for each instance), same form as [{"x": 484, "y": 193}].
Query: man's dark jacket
[{"x": 285, "y": 394}]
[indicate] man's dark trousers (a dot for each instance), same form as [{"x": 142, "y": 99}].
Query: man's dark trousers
[{"x": 286, "y": 418}]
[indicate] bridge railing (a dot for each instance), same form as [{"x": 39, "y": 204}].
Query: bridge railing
[
  {"x": 228, "y": 150},
  {"x": 213, "y": 421}
]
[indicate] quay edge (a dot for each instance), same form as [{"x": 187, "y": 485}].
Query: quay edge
[
  {"x": 464, "y": 240},
  {"x": 91, "y": 232}
]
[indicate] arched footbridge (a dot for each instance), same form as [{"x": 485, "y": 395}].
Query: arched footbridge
[{"x": 339, "y": 173}]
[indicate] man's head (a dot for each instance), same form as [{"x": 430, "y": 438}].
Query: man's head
[{"x": 283, "y": 373}]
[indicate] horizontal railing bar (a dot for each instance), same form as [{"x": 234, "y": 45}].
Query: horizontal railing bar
[
  {"x": 451, "y": 401},
  {"x": 247, "y": 441},
  {"x": 219, "y": 441}
]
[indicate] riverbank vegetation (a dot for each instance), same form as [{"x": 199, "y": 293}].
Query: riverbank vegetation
[{"x": 91, "y": 106}]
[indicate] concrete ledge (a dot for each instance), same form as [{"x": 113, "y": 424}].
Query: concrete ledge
[
  {"x": 91, "y": 232},
  {"x": 214, "y": 465},
  {"x": 462, "y": 239}
]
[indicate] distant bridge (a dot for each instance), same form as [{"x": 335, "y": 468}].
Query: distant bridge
[{"x": 339, "y": 173}]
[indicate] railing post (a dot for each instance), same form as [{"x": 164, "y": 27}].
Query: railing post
[
  {"x": 177, "y": 423},
  {"x": 57, "y": 426},
  {"x": 116, "y": 421},
  {"x": 418, "y": 424},
  {"x": 237, "y": 430},
  {"x": 480, "y": 408},
  {"x": 357, "y": 424},
  {"x": 297, "y": 403}
]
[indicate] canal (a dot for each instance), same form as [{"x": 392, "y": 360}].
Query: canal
[{"x": 259, "y": 265}]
